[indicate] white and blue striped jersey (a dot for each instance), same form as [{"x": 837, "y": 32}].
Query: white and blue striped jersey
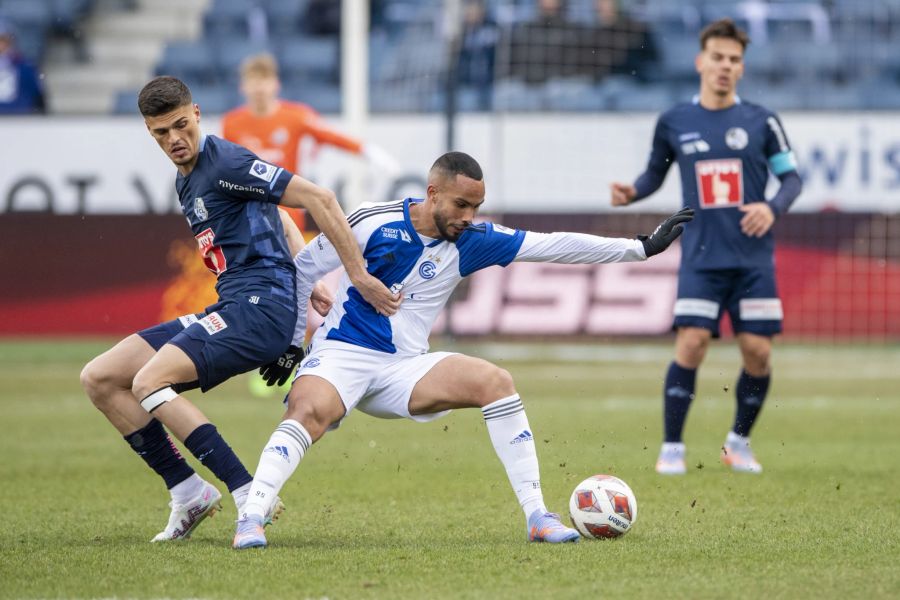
[{"x": 427, "y": 270}]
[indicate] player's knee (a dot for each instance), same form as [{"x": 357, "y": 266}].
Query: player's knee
[
  {"x": 692, "y": 348},
  {"x": 145, "y": 384},
  {"x": 97, "y": 382},
  {"x": 756, "y": 360},
  {"x": 315, "y": 416},
  {"x": 497, "y": 383}
]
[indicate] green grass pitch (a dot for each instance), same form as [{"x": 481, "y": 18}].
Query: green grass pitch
[{"x": 391, "y": 509}]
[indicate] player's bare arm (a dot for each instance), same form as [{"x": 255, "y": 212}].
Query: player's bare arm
[
  {"x": 757, "y": 220},
  {"x": 292, "y": 234},
  {"x": 324, "y": 208}
]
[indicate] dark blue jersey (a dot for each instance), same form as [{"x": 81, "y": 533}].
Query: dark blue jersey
[
  {"x": 724, "y": 157},
  {"x": 230, "y": 201}
]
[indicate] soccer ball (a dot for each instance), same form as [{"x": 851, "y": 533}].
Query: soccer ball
[{"x": 603, "y": 506}]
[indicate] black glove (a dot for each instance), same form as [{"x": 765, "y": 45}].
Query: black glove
[
  {"x": 666, "y": 233},
  {"x": 279, "y": 371}
]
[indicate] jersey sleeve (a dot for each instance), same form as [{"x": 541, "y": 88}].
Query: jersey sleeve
[
  {"x": 780, "y": 156},
  {"x": 316, "y": 260},
  {"x": 485, "y": 245},
  {"x": 578, "y": 248},
  {"x": 241, "y": 175},
  {"x": 661, "y": 157},
  {"x": 324, "y": 134}
]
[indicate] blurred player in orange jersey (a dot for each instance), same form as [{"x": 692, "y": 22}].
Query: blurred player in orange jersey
[{"x": 273, "y": 128}]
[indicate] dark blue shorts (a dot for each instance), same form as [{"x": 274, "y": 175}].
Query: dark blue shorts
[
  {"x": 228, "y": 338},
  {"x": 749, "y": 295}
]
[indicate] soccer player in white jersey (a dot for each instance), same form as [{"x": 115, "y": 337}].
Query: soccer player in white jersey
[
  {"x": 725, "y": 148},
  {"x": 381, "y": 365}
]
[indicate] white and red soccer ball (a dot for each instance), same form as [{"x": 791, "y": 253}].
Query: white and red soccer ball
[{"x": 603, "y": 506}]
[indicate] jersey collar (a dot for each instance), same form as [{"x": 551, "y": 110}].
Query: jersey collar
[{"x": 696, "y": 99}]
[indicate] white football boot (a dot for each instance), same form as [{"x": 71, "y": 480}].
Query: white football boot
[
  {"x": 184, "y": 518},
  {"x": 671, "y": 459},
  {"x": 736, "y": 453}
]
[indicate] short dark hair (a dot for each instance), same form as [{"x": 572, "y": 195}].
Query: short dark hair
[
  {"x": 458, "y": 163},
  {"x": 163, "y": 95},
  {"x": 724, "y": 28}
]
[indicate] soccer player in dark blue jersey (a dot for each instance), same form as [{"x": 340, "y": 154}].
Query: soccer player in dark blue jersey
[
  {"x": 725, "y": 148},
  {"x": 230, "y": 199}
]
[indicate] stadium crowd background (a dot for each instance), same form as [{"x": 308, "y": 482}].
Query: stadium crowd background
[
  {"x": 556, "y": 97},
  {"x": 569, "y": 55}
]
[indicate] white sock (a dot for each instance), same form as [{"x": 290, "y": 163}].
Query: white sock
[
  {"x": 279, "y": 458},
  {"x": 240, "y": 495},
  {"x": 513, "y": 441},
  {"x": 186, "y": 490},
  {"x": 733, "y": 439}
]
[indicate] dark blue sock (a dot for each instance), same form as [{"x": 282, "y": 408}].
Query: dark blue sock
[
  {"x": 154, "y": 445},
  {"x": 678, "y": 393},
  {"x": 216, "y": 455},
  {"x": 751, "y": 393}
]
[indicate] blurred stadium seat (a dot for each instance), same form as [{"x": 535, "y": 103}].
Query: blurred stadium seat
[{"x": 835, "y": 46}]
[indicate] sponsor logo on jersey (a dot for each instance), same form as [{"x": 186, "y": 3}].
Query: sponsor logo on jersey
[
  {"x": 737, "y": 138},
  {"x": 263, "y": 171},
  {"x": 213, "y": 323},
  {"x": 523, "y": 437},
  {"x": 213, "y": 256},
  {"x": 236, "y": 187},
  {"x": 693, "y": 135},
  {"x": 427, "y": 270},
  {"x": 694, "y": 147},
  {"x": 396, "y": 234},
  {"x": 719, "y": 182},
  {"x": 200, "y": 209}
]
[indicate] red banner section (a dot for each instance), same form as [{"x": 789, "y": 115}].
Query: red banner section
[{"x": 839, "y": 277}]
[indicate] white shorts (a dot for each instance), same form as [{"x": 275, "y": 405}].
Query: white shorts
[{"x": 376, "y": 383}]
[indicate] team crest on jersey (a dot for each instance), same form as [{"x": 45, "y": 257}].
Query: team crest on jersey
[
  {"x": 263, "y": 171},
  {"x": 279, "y": 137},
  {"x": 737, "y": 138},
  {"x": 719, "y": 183},
  {"x": 200, "y": 209},
  {"x": 427, "y": 270}
]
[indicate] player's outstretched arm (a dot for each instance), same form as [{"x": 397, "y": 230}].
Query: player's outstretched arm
[
  {"x": 324, "y": 208},
  {"x": 666, "y": 232}
]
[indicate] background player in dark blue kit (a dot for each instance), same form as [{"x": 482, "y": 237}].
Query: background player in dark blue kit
[
  {"x": 229, "y": 198},
  {"x": 725, "y": 148}
]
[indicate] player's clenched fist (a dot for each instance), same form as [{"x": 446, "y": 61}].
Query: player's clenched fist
[
  {"x": 621, "y": 193},
  {"x": 666, "y": 232}
]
